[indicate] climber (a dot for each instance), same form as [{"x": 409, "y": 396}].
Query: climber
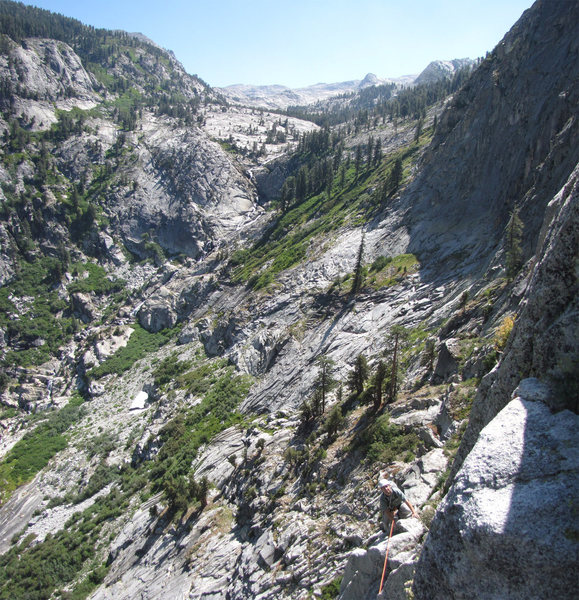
[{"x": 392, "y": 503}]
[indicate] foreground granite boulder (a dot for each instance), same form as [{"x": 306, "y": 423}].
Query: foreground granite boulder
[{"x": 508, "y": 526}]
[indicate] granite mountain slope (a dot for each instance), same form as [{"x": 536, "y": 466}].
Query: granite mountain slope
[{"x": 197, "y": 314}]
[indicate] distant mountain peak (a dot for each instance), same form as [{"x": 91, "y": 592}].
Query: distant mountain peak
[
  {"x": 280, "y": 97},
  {"x": 441, "y": 69},
  {"x": 370, "y": 79}
]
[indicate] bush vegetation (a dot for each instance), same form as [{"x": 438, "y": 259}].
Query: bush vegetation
[
  {"x": 169, "y": 369},
  {"x": 331, "y": 590},
  {"x": 96, "y": 281},
  {"x": 388, "y": 271},
  {"x": 33, "y": 452},
  {"x": 31, "y": 313},
  {"x": 503, "y": 333},
  {"x": 38, "y": 571},
  {"x": 387, "y": 442},
  {"x": 139, "y": 345},
  {"x": 183, "y": 436}
]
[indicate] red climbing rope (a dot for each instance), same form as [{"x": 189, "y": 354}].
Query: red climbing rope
[{"x": 386, "y": 559}]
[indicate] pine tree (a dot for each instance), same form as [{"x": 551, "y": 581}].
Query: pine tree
[
  {"x": 378, "y": 152},
  {"x": 325, "y": 381},
  {"x": 357, "y": 282},
  {"x": 370, "y": 150},
  {"x": 334, "y": 422},
  {"x": 301, "y": 188},
  {"x": 396, "y": 176},
  {"x": 359, "y": 375},
  {"x": 379, "y": 378},
  {"x": 358, "y": 160},
  {"x": 396, "y": 343},
  {"x": 418, "y": 132},
  {"x": 342, "y": 176},
  {"x": 287, "y": 193},
  {"x": 203, "y": 491}
]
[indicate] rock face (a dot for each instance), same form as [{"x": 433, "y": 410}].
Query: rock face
[
  {"x": 508, "y": 528},
  {"x": 442, "y": 69},
  {"x": 53, "y": 76},
  {"x": 501, "y": 111},
  {"x": 544, "y": 339},
  {"x": 180, "y": 190}
]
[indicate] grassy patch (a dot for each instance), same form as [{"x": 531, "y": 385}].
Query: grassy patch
[
  {"x": 462, "y": 398},
  {"x": 139, "y": 345},
  {"x": 33, "y": 452},
  {"x": 332, "y": 589},
  {"x": 95, "y": 281},
  {"x": 184, "y": 435},
  {"x": 388, "y": 271}
]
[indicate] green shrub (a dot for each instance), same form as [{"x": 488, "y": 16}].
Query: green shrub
[
  {"x": 33, "y": 452},
  {"x": 139, "y": 345},
  {"x": 169, "y": 369},
  {"x": 332, "y": 589},
  {"x": 387, "y": 442},
  {"x": 380, "y": 263},
  {"x": 183, "y": 436},
  {"x": 96, "y": 282},
  {"x": 103, "y": 476},
  {"x": 198, "y": 381},
  {"x": 35, "y": 572},
  {"x": 40, "y": 319}
]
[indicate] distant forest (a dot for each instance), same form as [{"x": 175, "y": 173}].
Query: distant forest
[{"x": 381, "y": 102}]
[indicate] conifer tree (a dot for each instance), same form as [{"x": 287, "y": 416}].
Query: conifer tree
[
  {"x": 359, "y": 375},
  {"x": 325, "y": 381},
  {"x": 203, "y": 491},
  {"x": 370, "y": 150},
  {"x": 418, "y": 132},
  {"x": 287, "y": 193},
  {"x": 357, "y": 282},
  {"x": 396, "y": 176},
  {"x": 301, "y": 188},
  {"x": 377, "y": 152},
  {"x": 342, "y": 176},
  {"x": 358, "y": 160},
  {"x": 396, "y": 343},
  {"x": 334, "y": 422},
  {"x": 379, "y": 378}
]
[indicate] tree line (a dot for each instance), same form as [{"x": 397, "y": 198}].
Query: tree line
[
  {"x": 377, "y": 385},
  {"x": 376, "y": 104}
]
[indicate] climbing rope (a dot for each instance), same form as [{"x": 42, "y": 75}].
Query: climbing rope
[{"x": 386, "y": 558}]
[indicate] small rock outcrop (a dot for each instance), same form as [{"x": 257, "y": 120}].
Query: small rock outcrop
[{"x": 363, "y": 572}]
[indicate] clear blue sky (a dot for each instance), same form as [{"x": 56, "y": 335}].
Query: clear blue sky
[{"x": 302, "y": 42}]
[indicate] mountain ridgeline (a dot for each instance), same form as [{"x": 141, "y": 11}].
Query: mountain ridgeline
[{"x": 225, "y": 314}]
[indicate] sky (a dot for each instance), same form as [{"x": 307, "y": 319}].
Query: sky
[{"x": 297, "y": 43}]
